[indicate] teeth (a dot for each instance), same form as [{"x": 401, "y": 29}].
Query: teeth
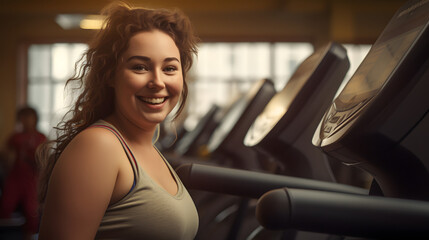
[{"x": 153, "y": 100}]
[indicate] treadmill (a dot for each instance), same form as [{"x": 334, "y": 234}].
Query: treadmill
[
  {"x": 379, "y": 120},
  {"x": 192, "y": 141},
  {"x": 209, "y": 142},
  {"x": 285, "y": 128},
  {"x": 226, "y": 143},
  {"x": 379, "y": 123},
  {"x": 190, "y": 147}
]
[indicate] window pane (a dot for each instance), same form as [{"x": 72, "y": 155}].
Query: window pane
[
  {"x": 287, "y": 57},
  {"x": 38, "y": 95},
  {"x": 251, "y": 61},
  {"x": 44, "y": 125},
  {"x": 39, "y": 62},
  {"x": 39, "y": 98},
  {"x": 241, "y": 55},
  {"x": 61, "y": 62},
  {"x": 59, "y": 101},
  {"x": 64, "y": 57},
  {"x": 214, "y": 60},
  {"x": 49, "y": 66},
  {"x": 259, "y": 61},
  {"x": 76, "y": 51}
]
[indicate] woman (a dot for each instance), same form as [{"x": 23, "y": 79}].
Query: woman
[{"x": 104, "y": 178}]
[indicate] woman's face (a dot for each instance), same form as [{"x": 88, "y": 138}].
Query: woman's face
[{"x": 148, "y": 80}]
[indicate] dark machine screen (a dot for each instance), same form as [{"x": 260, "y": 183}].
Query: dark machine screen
[
  {"x": 232, "y": 116},
  {"x": 280, "y": 103},
  {"x": 376, "y": 68}
]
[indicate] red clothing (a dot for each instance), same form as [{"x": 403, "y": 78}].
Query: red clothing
[{"x": 20, "y": 186}]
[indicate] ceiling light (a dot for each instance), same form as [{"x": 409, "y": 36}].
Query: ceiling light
[
  {"x": 73, "y": 21},
  {"x": 92, "y": 22}
]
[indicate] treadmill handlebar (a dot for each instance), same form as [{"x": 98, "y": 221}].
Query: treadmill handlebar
[
  {"x": 343, "y": 214},
  {"x": 249, "y": 183}
]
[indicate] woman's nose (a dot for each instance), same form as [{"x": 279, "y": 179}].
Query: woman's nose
[{"x": 156, "y": 81}]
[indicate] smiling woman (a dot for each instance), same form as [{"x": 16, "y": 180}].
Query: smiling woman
[
  {"x": 102, "y": 177},
  {"x": 149, "y": 80}
]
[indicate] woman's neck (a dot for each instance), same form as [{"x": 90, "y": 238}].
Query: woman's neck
[{"x": 133, "y": 133}]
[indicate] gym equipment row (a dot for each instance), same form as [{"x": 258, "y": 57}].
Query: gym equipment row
[{"x": 377, "y": 123}]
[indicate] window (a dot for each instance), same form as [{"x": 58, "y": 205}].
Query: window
[
  {"x": 223, "y": 70},
  {"x": 49, "y": 66}
]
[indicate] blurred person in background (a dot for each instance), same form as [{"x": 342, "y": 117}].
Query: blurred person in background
[{"x": 21, "y": 177}]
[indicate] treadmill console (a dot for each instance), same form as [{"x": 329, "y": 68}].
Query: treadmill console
[
  {"x": 376, "y": 69},
  {"x": 379, "y": 120}
]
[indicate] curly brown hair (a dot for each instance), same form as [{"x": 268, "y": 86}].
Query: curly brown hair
[{"x": 98, "y": 66}]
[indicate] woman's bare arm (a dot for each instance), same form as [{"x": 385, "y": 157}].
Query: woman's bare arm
[{"x": 81, "y": 186}]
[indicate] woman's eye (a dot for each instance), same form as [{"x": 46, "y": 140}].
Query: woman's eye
[
  {"x": 170, "y": 69},
  {"x": 139, "y": 68}
]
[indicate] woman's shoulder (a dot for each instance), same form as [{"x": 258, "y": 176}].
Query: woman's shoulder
[
  {"x": 83, "y": 180},
  {"x": 97, "y": 136},
  {"x": 93, "y": 144}
]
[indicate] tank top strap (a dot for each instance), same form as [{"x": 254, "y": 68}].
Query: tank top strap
[{"x": 127, "y": 149}]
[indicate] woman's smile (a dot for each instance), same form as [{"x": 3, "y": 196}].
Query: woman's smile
[
  {"x": 153, "y": 103},
  {"x": 152, "y": 100}
]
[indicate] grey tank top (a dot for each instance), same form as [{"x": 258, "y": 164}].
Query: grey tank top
[{"x": 148, "y": 211}]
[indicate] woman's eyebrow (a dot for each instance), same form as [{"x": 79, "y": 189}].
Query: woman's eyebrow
[
  {"x": 169, "y": 59},
  {"x": 142, "y": 58},
  {"x": 148, "y": 59}
]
